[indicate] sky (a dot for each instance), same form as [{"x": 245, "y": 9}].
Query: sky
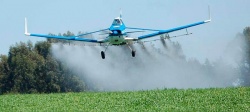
[{"x": 229, "y": 17}]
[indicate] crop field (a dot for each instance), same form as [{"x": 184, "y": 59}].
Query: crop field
[{"x": 226, "y": 99}]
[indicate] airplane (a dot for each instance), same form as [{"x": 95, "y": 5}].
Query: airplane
[{"x": 117, "y": 34}]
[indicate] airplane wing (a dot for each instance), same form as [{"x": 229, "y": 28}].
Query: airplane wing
[
  {"x": 160, "y": 32},
  {"x": 75, "y": 38}
]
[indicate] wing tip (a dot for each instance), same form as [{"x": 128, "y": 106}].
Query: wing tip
[
  {"x": 207, "y": 21},
  {"x": 27, "y": 34},
  {"x": 209, "y": 15},
  {"x": 26, "y": 27}
]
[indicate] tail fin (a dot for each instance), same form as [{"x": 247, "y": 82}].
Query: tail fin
[
  {"x": 120, "y": 13},
  {"x": 26, "y": 28}
]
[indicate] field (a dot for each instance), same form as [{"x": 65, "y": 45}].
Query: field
[{"x": 226, "y": 99}]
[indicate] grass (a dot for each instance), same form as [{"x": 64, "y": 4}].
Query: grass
[{"x": 226, "y": 99}]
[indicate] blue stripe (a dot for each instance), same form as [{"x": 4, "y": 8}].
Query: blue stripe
[{"x": 170, "y": 30}]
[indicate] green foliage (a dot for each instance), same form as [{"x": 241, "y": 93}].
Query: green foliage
[
  {"x": 30, "y": 69},
  {"x": 4, "y": 69},
  {"x": 227, "y": 99},
  {"x": 246, "y": 32},
  {"x": 245, "y": 64}
]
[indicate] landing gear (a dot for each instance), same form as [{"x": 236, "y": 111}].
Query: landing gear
[
  {"x": 103, "y": 54},
  {"x": 133, "y": 53}
]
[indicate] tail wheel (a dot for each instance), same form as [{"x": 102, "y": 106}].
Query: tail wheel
[
  {"x": 133, "y": 53},
  {"x": 103, "y": 55}
]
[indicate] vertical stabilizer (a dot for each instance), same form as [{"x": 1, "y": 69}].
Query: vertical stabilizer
[{"x": 120, "y": 13}]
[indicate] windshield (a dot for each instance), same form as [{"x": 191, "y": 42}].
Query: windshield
[{"x": 117, "y": 22}]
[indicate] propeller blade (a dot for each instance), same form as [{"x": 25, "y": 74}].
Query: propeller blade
[
  {"x": 135, "y": 31},
  {"x": 106, "y": 33}
]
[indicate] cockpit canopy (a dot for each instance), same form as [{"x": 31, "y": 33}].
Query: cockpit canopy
[
  {"x": 117, "y": 25},
  {"x": 117, "y": 22}
]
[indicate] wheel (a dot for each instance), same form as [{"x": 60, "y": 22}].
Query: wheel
[
  {"x": 103, "y": 55},
  {"x": 133, "y": 53}
]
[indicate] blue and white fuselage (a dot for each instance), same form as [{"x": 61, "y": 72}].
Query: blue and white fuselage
[{"x": 116, "y": 37}]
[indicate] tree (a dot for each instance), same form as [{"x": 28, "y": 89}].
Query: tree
[
  {"x": 245, "y": 64},
  {"x": 43, "y": 48},
  {"x": 32, "y": 69},
  {"x": 4, "y": 71},
  {"x": 22, "y": 62}
]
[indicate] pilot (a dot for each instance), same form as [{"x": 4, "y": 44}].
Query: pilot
[{"x": 118, "y": 22}]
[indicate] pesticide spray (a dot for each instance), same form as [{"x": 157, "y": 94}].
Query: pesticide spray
[{"x": 156, "y": 66}]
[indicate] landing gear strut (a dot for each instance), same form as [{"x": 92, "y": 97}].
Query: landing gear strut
[
  {"x": 103, "y": 52},
  {"x": 132, "y": 51}
]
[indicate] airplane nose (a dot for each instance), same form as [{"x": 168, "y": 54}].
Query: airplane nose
[{"x": 115, "y": 32}]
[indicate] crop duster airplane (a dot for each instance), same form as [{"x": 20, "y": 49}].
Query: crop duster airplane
[{"x": 117, "y": 34}]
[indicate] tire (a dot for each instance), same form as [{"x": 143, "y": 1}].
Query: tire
[
  {"x": 103, "y": 55},
  {"x": 133, "y": 53}
]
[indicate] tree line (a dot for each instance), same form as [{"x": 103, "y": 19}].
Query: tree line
[{"x": 31, "y": 68}]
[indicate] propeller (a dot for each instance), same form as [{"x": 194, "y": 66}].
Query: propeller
[
  {"x": 115, "y": 32},
  {"x": 106, "y": 32},
  {"x": 134, "y": 31}
]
